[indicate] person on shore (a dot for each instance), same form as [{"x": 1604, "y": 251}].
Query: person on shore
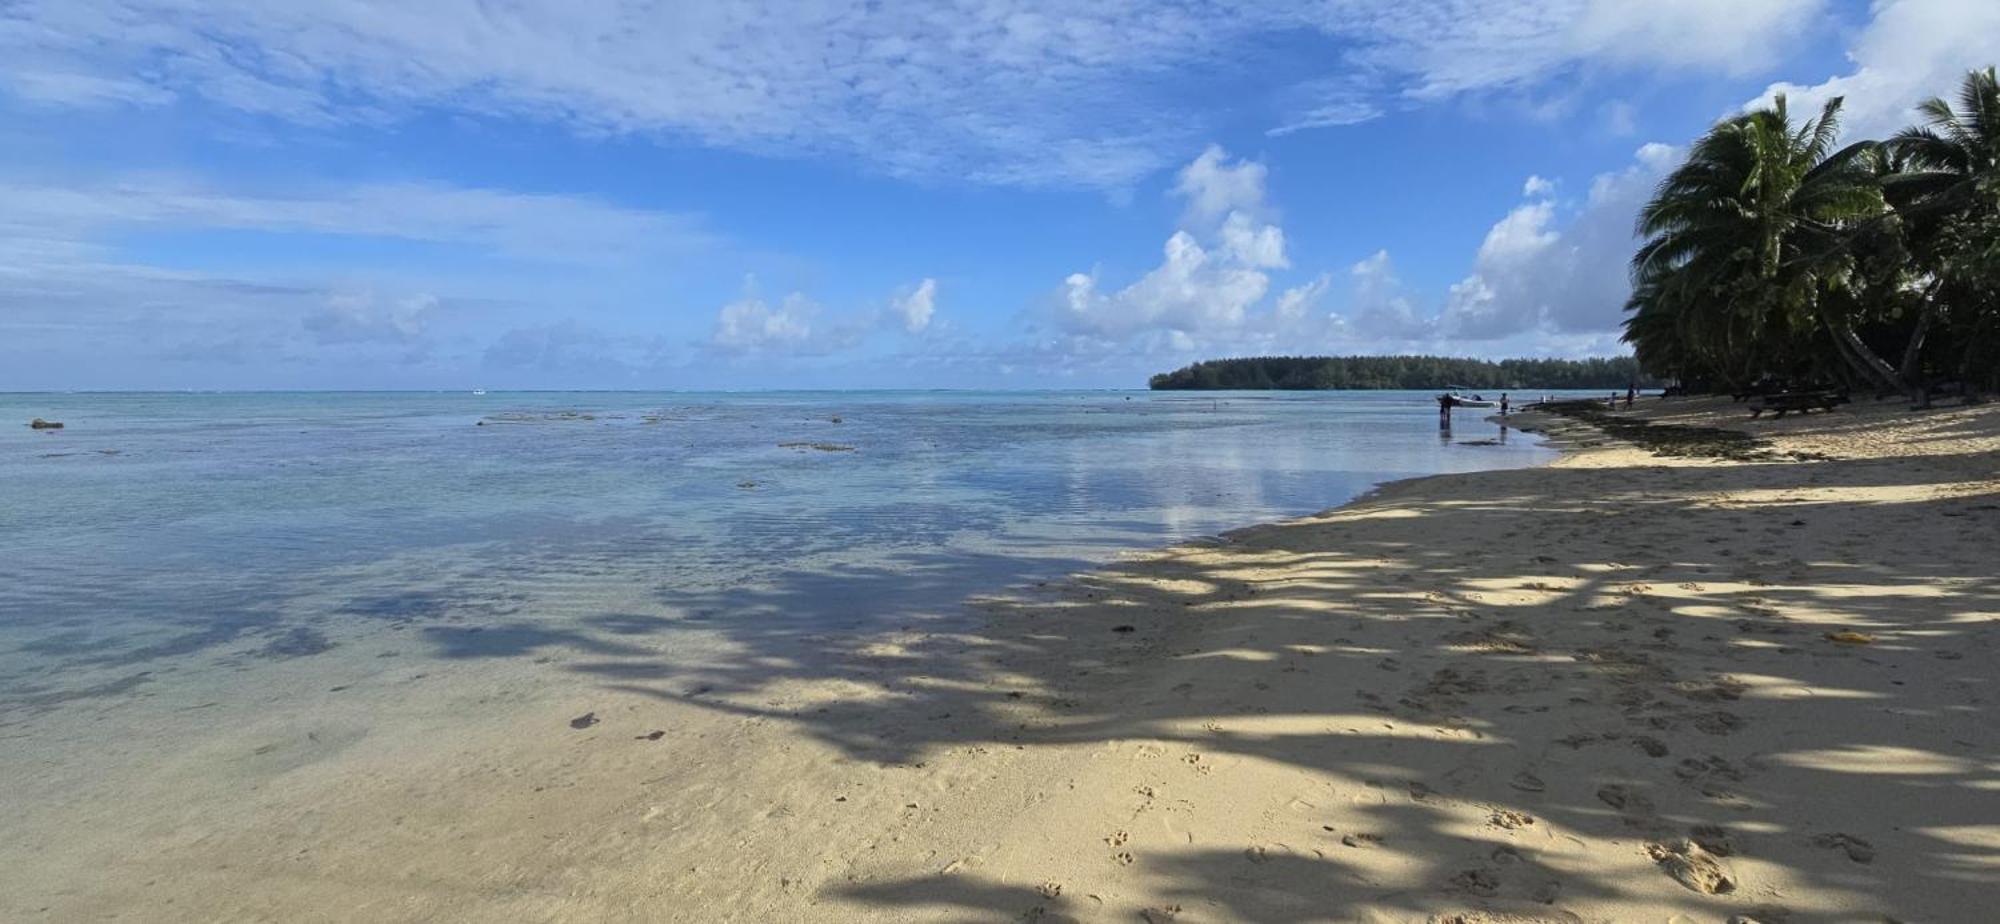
[
  {"x": 1503, "y": 404},
  {"x": 1631, "y": 392}
]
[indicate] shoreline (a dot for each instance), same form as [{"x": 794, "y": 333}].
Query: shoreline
[{"x": 1599, "y": 689}]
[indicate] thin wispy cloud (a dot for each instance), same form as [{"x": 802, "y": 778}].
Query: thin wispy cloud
[
  {"x": 571, "y": 192},
  {"x": 1033, "y": 93}
]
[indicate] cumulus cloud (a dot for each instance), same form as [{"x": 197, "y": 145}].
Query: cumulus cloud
[
  {"x": 1198, "y": 287},
  {"x": 1548, "y": 279},
  {"x": 1193, "y": 289},
  {"x": 1040, "y": 92},
  {"x": 1535, "y": 272},
  {"x": 797, "y": 325},
  {"x": 750, "y": 323},
  {"x": 915, "y": 307},
  {"x": 1909, "y": 51},
  {"x": 1215, "y": 188}
]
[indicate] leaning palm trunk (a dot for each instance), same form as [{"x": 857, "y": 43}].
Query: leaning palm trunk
[
  {"x": 1862, "y": 358},
  {"x": 1913, "y": 354}
]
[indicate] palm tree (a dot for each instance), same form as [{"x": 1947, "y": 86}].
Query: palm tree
[
  {"x": 1949, "y": 190},
  {"x": 1743, "y": 240},
  {"x": 1954, "y": 153}
]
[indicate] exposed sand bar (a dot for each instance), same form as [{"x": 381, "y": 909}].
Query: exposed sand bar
[{"x": 1619, "y": 688}]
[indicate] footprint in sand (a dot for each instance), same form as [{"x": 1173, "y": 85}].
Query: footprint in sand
[
  {"x": 1718, "y": 723},
  {"x": 1858, "y": 850},
  {"x": 1652, "y": 747},
  {"x": 1693, "y": 867},
  {"x": 1713, "y": 838},
  {"x": 1122, "y": 858},
  {"x": 1511, "y": 820},
  {"x": 1527, "y": 782},
  {"x": 1477, "y": 881},
  {"x": 1633, "y": 806},
  {"x": 1362, "y": 840},
  {"x": 1116, "y": 838},
  {"x": 1692, "y": 769},
  {"x": 1507, "y": 917}
]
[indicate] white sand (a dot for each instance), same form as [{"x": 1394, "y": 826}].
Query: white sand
[{"x": 1599, "y": 691}]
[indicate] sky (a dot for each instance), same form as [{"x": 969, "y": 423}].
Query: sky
[{"x": 280, "y": 194}]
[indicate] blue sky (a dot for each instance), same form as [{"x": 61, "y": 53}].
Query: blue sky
[{"x": 622, "y": 194}]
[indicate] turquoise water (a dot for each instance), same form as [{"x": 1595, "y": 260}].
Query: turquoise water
[{"x": 163, "y": 538}]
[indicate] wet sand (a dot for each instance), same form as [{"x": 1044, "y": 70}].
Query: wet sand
[{"x": 1626, "y": 687}]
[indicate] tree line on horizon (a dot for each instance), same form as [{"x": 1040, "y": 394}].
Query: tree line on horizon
[
  {"x": 1403, "y": 372},
  {"x": 1773, "y": 254}
]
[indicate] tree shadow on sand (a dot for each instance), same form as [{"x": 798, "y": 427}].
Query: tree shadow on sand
[{"x": 1500, "y": 665}]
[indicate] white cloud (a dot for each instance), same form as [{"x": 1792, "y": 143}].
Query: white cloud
[
  {"x": 796, "y": 325},
  {"x": 1253, "y": 244},
  {"x": 915, "y": 307},
  {"x": 752, "y": 324},
  {"x": 69, "y": 283},
  {"x": 1909, "y": 51},
  {"x": 1532, "y": 275},
  {"x": 1380, "y": 308},
  {"x": 1329, "y": 102},
  {"x": 1197, "y": 287},
  {"x": 516, "y": 225},
  {"x": 1191, "y": 290},
  {"x": 1302, "y": 302},
  {"x": 1546, "y": 280},
  {"x": 1215, "y": 188},
  {"x": 1032, "y": 92},
  {"x": 1458, "y": 46},
  {"x": 1659, "y": 158}
]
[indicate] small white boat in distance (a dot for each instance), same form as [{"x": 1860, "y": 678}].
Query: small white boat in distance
[
  {"x": 1455, "y": 396},
  {"x": 479, "y": 391}
]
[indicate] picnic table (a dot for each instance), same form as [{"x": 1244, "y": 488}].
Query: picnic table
[{"x": 1803, "y": 402}]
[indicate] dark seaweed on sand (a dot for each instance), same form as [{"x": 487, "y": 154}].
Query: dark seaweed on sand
[{"x": 1675, "y": 439}]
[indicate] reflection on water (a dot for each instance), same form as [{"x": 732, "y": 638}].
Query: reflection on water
[{"x": 232, "y": 532}]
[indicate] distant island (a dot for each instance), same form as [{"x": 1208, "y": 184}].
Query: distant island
[{"x": 1387, "y": 372}]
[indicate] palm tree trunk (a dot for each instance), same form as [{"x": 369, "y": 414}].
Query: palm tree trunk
[
  {"x": 1913, "y": 353},
  {"x": 1862, "y": 358}
]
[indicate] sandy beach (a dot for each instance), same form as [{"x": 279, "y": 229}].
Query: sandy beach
[{"x": 1753, "y": 683}]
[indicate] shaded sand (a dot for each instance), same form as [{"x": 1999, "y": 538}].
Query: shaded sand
[{"x": 1622, "y": 688}]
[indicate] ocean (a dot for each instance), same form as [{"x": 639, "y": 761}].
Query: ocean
[
  {"x": 172, "y": 538},
  {"x": 230, "y": 613}
]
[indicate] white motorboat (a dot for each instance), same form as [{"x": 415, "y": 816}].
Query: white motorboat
[{"x": 1457, "y": 397}]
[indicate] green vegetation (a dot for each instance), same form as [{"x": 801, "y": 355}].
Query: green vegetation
[
  {"x": 1773, "y": 254},
  {"x": 1371, "y": 372}
]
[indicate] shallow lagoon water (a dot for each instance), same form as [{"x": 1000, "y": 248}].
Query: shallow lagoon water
[
  {"x": 236, "y": 627},
  {"x": 185, "y": 538}
]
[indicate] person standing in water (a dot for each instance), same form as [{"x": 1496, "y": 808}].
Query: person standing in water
[{"x": 1503, "y": 404}]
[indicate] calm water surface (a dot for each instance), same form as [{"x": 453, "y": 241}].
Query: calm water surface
[{"x": 182, "y": 538}]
